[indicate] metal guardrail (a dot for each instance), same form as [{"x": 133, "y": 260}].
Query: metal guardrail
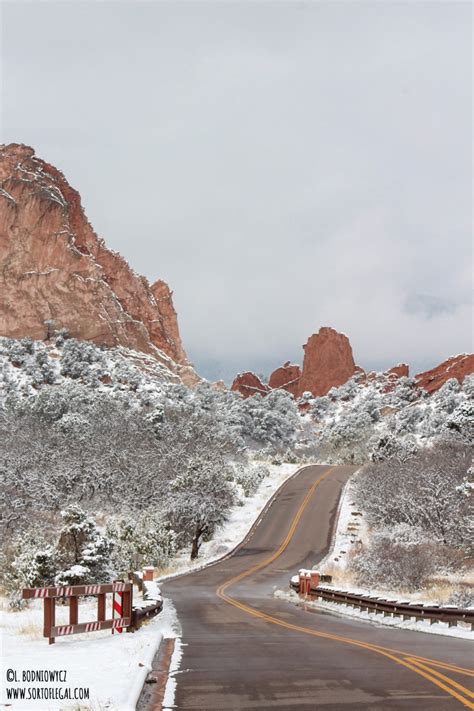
[
  {"x": 404, "y": 609},
  {"x": 143, "y": 611}
]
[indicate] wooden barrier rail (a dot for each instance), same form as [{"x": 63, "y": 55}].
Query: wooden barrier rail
[
  {"x": 49, "y": 596},
  {"x": 74, "y": 590},
  {"x": 404, "y": 609}
]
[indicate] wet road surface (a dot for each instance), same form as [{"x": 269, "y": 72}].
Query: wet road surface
[{"x": 245, "y": 649}]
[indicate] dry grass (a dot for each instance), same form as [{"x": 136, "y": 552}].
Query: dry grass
[
  {"x": 340, "y": 577},
  {"x": 33, "y": 630},
  {"x": 439, "y": 590}
]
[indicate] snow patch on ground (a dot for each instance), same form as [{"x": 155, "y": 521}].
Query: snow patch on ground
[
  {"x": 170, "y": 690},
  {"x": 351, "y": 529},
  {"x": 112, "y": 667},
  {"x": 439, "y": 628}
]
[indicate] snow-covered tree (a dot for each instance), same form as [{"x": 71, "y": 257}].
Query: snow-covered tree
[
  {"x": 144, "y": 539},
  {"x": 271, "y": 421},
  {"x": 82, "y": 552},
  {"x": 424, "y": 491},
  {"x": 198, "y": 502}
]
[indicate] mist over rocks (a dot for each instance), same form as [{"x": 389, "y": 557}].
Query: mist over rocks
[{"x": 54, "y": 268}]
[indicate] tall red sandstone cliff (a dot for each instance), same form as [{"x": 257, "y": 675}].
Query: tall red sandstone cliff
[
  {"x": 54, "y": 267},
  {"x": 328, "y": 362}
]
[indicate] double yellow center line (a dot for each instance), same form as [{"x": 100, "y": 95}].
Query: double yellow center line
[{"x": 420, "y": 665}]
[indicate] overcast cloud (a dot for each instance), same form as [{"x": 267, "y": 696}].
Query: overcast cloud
[{"x": 282, "y": 165}]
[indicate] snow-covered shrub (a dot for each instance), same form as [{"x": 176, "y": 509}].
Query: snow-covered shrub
[
  {"x": 62, "y": 335},
  {"x": 387, "y": 446},
  {"x": 320, "y": 407},
  {"x": 43, "y": 372},
  {"x": 462, "y": 597},
  {"x": 82, "y": 552},
  {"x": 461, "y": 421},
  {"x": 28, "y": 561},
  {"x": 406, "y": 420},
  {"x": 144, "y": 539},
  {"x": 468, "y": 386},
  {"x": 249, "y": 477},
  {"x": 74, "y": 554},
  {"x": 394, "y": 565},
  {"x": 77, "y": 358},
  {"x": 426, "y": 491},
  {"x": 405, "y": 391},
  {"x": 18, "y": 351},
  {"x": 270, "y": 421},
  {"x": 345, "y": 439}
]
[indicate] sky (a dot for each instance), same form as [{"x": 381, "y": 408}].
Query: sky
[{"x": 282, "y": 165}]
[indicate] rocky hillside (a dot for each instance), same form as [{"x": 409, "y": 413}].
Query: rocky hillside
[
  {"x": 57, "y": 274},
  {"x": 329, "y": 363}
]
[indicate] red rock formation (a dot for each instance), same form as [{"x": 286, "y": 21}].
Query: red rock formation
[
  {"x": 54, "y": 267},
  {"x": 393, "y": 375},
  {"x": 248, "y": 384},
  {"x": 286, "y": 378},
  {"x": 399, "y": 371},
  {"x": 328, "y": 362},
  {"x": 456, "y": 367}
]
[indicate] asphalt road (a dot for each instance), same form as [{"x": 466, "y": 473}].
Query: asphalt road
[{"x": 245, "y": 649}]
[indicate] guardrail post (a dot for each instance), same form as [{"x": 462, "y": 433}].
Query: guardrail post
[
  {"x": 314, "y": 578},
  {"x": 73, "y": 610},
  {"x": 127, "y": 596},
  {"x": 101, "y": 607},
  {"x": 49, "y": 615},
  {"x": 301, "y": 582}
]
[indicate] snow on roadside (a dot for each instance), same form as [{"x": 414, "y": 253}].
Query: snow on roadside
[
  {"x": 440, "y": 628},
  {"x": 351, "y": 529},
  {"x": 239, "y": 522},
  {"x": 170, "y": 689},
  {"x": 112, "y": 667}
]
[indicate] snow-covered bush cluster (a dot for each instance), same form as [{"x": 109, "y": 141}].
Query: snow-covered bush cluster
[
  {"x": 77, "y": 554},
  {"x": 373, "y": 421},
  {"x": 418, "y": 509},
  {"x": 159, "y": 464}
]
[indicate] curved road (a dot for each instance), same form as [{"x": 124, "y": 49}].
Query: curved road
[{"x": 245, "y": 649}]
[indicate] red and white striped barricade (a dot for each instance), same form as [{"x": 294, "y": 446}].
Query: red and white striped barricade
[{"x": 49, "y": 596}]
